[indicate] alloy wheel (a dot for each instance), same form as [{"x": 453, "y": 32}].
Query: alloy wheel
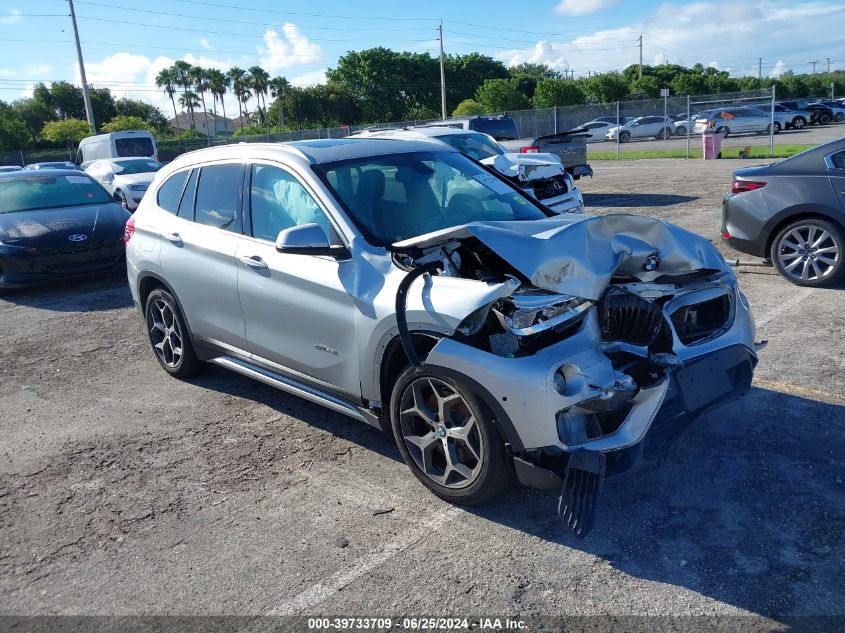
[
  {"x": 165, "y": 333},
  {"x": 808, "y": 252},
  {"x": 441, "y": 433}
]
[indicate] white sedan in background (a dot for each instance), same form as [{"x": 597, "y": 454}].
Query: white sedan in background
[{"x": 126, "y": 179}]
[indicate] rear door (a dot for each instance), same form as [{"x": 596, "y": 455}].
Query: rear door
[
  {"x": 836, "y": 173},
  {"x": 198, "y": 246},
  {"x": 298, "y": 309}
]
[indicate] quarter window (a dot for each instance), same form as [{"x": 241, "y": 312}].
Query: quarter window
[
  {"x": 170, "y": 192},
  {"x": 278, "y": 201},
  {"x": 219, "y": 196},
  {"x": 838, "y": 160}
]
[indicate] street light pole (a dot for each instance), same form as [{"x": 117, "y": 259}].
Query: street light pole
[{"x": 89, "y": 112}]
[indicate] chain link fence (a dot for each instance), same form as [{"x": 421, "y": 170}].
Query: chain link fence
[{"x": 530, "y": 123}]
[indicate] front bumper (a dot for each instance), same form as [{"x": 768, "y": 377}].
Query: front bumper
[
  {"x": 577, "y": 171},
  {"x": 538, "y": 413},
  {"x": 19, "y": 269}
]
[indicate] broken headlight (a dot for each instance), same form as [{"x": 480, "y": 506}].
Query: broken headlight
[{"x": 530, "y": 312}]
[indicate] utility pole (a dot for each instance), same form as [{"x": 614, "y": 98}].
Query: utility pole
[
  {"x": 814, "y": 66},
  {"x": 759, "y": 69},
  {"x": 828, "y": 65},
  {"x": 89, "y": 112},
  {"x": 442, "y": 75},
  {"x": 641, "y": 56}
]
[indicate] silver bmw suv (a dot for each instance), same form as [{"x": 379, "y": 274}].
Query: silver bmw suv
[{"x": 405, "y": 285}]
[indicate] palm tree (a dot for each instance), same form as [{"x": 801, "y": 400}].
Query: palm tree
[
  {"x": 182, "y": 70},
  {"x": 188, "y": 100},
  {"x": 199, "y": 81},
  {"x": 259, "y": 80},
  {"x": 166, "y": 79},
  {"x": 278, "y": 87},
  {"x": 218, "y": 82},
  {"x": 240, "y": 88}
]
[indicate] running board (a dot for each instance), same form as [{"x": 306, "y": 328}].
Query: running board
[{"x": 290, "y": 386}]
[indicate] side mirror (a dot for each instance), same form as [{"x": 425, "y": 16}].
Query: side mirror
[{"x": 308, "y": 239}]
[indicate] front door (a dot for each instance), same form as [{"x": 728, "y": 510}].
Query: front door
[{"x": 298, "y": 309}]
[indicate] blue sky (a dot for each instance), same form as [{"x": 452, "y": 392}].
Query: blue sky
[{"x": 125, "y": 43}]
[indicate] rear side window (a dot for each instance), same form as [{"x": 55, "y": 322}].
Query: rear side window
[
  {"x": 838, "y": 160},
  {"x": 219, "y": 196},
  {"x": 141, "y": 146},
  {"x": 499, "y": 129},
  {"x": 171, "y": 191}
]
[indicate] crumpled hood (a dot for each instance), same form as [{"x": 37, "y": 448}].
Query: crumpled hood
[
  {"x": 579, "y": 256},
  {"x": 526, "y": 167}
]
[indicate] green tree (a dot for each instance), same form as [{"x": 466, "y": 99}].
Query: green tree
[
  {"x": 34, "y": 113},
  {"x": 647, "y": 86},
  {"x": 465, "y": 73},
  {"x": 468, "y": 107},
  {"x": 557, "y": 92},
  {"x": 166, "y": 80},
  {"x": 67, "y": 132},
  {"x": 123, "y": 122},
  {"x": 606, "y": 87},
  {"x": 278, "y": 87},
  {"x": 182, "y": 74},
  {"x": 147, "y": 112},
  {"x": 199, "y": 83},
  {"x": 240, "y": 88},
  {"x": 528, "y": 75},
  {"x": 259, "y": 83},
  {"x": 218, "y": 84},
  {"x": 500, "y": 95},
  {"x": 13, "y": 131}
]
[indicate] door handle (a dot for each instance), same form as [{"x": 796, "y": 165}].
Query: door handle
[
  {"x": 253, "y": 261},
  {"x": 172, "y": 237}
]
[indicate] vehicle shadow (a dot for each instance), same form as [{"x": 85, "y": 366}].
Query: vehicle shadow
[
  {"x": 75, "y": 295},
  {"x": 747, "y": 509},
  {"x": 635, "y": 199},
  {"x": 344, "y": 427}
]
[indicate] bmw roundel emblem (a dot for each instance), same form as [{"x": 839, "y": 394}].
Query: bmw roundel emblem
[
  {"x": 78, "y": 237},
  {"x": 651, "y": 263}
]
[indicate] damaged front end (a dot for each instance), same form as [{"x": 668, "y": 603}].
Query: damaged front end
[
  {"x": 605, "y": 338},
  {"x": 541, "y": 176}
]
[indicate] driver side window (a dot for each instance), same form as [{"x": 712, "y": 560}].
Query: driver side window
[{"x": 278, "y": 202}]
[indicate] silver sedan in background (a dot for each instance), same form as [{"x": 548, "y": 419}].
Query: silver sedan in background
[{"x": 742, "y": 120}]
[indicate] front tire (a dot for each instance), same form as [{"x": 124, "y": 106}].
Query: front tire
[
  {"x": 447, "y": 437},
  {"x": 680, "y": 131},
  {"x": 810, "y": 252},
  {"x": 624, "y": 137},
  {"x": 799, "y": 122},
  {"x": 169, "y": 335},
  {"x": 724, "y": 129}
]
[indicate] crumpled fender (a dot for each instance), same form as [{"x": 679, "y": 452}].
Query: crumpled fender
[
  {"x": 526, "y": 167},
  {"x": 579, "y": 255}
]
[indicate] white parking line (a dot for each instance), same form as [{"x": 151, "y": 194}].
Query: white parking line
[
  {"x": 322, "y": 591},
  {"x": 785, "y": 306}
]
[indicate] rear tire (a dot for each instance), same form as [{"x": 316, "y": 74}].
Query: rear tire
[
  {"x": 169, "y": 335},
  {"x": 824, "y": 118},
  {"x": 777, "y": 127},
  {"x": 680, "y": 131},
  {"x": 809, "y": 252},
  {"x": 447, "y": 437},
  {"x": 799, "y": 122},
  {"x": 624, "y": 137},
  {"x": 724, "y": 129}
]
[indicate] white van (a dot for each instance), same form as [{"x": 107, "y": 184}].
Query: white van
[{"x": 131, "y": 143}]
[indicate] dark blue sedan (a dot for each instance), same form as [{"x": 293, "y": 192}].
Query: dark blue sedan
[{"x": 57, "y": 224}]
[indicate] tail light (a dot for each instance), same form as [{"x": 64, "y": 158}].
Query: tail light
[
  {"x": 129, "y": 230},
  {"x": 531, "y": 149},
  {"x": 740, "y": 186}
]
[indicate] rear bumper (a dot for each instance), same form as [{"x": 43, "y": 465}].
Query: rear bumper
[
  {"x": 744, "y": 217},
  {"x": 580, "y": 170}
]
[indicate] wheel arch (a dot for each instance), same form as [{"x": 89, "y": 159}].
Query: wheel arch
[
  {"x": 148, "y": 282},
  {"x": 394, "y": 361},
  {"x": 801, "y": 212}
]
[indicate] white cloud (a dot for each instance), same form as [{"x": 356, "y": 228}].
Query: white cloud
[
  {"x": 582, "y": 7},
  {"x": 36, "y": 70},
  {"x": 5, "y": 72},
  {"x": 204, "y": 43},
  {"x": 779, "y": 69},
  {"x": 314, "y": 78},
  {"x": 291, "y": 49},
  {"x": 13, "y": 18},
  {"x": 728, "y": 34}
]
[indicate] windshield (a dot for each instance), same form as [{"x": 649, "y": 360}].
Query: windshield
[
  {"x": 39, "y": 191},
  {"x": 477, "y": 146},
  {"x": 499, "y": 129},
  {"x": 139, "y": 166},
  {"x": 397, "y": 197},
  {"x": 136, "y": 146}
]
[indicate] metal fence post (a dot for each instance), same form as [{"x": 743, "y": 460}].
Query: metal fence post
[
  {"x": 555, "y": 115},
  {"x": 772, "y": 127},
  {"x": 617, "y": 130},
  {"x": 689, "y": 117}
]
